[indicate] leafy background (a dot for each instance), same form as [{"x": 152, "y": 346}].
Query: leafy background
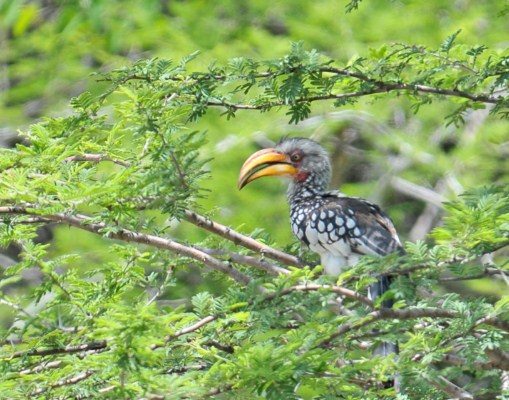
[{"x": 383, "y": 149}]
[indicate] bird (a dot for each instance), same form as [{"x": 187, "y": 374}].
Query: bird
[{"x": 339, "y": 228}]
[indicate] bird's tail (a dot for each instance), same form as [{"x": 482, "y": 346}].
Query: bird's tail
[
  {"x": 384, "y": 349},
  {"x": 376, "y": 290}
]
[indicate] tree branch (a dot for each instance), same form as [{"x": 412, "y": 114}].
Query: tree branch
[
  {"x": 84, "y": 222},
  {"x": 42, "y": 367},
  {"x": 418, "y": 192},
  {"x": 412, "y": 313},
  {"x": 495, "y": 363},
  {"x": 184, "y": 331},
  {"x": 240, "y": 239},
  {"x": 61, "y": 350},
  {"x": 378, "y": 86},
  {"x": 451, "y": 389},
  {"x": 65, "y": 382},
  {"x": 96, "y": 158},
  {"x": 247, "y": 260},
  {"x": 314, "y": 287}
]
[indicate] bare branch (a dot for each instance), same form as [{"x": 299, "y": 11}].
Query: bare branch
[
  {"x": 485, "y": 366},
  {"x": 240, "y": 239},
  {"x": 186, "y": 368},
  {"x": 499, "y": 358},
  {"x": 494, "y": 322},
  {"x": 428, "y": 218}
]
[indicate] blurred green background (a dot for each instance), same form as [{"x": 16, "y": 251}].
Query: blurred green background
[{"x": 50, "y": 50}]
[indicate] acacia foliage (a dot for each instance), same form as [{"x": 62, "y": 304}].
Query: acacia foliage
[{"x": 127, "y": 162}]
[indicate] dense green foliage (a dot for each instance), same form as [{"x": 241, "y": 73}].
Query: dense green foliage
[{"x": 137, "y": 296}]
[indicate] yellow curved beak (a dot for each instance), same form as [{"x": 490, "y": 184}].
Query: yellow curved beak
[{"x": 266, "y": 162}]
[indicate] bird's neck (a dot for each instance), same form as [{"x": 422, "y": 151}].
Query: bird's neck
[{"x": 312, "y": 187}]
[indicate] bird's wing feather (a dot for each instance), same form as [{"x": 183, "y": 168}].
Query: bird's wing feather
[{"x": 367, "y": 228}]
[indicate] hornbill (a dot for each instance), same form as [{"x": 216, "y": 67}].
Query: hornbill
[{"x": 337, "y": 227}]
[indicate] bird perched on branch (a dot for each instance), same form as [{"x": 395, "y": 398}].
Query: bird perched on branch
[{"x": 337, "y": 227}]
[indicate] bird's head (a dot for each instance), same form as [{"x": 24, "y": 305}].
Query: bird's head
[{"x": 304, "y": 160}]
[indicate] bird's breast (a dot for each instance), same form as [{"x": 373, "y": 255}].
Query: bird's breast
[{"x": 325, "y": 232}]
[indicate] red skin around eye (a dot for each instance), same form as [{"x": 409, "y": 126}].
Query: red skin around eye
[{"x": 301, "y": 176}]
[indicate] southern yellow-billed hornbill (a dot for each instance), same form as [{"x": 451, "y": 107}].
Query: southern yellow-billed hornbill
[{"x": 339, "y": 228}]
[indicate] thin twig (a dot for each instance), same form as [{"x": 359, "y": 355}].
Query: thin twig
[
  {"x": 314, "y": 287},
  {"x": 298, "y": 288},
  {"x": 160, "y": 289},
  {"x": 380, "y": 87}
]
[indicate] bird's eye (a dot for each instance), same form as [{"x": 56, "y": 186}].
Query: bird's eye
[{"x": 295, "y": 157}]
